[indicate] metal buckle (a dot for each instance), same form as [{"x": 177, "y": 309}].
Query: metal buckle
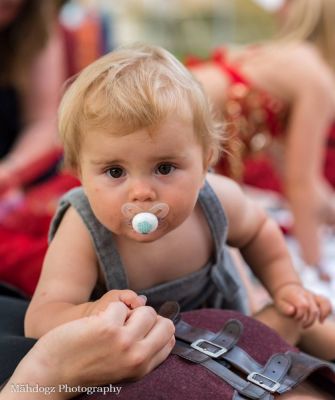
[
  {"x": 263, "y": 381},
  {"x": 211, "y": 349}
]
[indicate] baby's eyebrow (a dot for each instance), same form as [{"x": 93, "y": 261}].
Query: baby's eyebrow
[
  {"x": 155, "y": 158},
  {"x": 106, "y": 161},
  {"x": 169, "y": 156}
]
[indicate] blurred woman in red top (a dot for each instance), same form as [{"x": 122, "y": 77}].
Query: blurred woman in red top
[{"x": 278, "y": 99}]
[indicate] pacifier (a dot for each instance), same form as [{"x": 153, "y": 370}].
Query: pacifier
[{"x": 145, "y": 221}]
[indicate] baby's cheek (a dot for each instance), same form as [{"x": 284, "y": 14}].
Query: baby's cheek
[
  {"x": 179, "y": 215},
  {"x": 111, "y": 220}
]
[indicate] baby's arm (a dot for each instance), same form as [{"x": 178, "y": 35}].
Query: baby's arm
[
  {"x": 68, "y": 277},
  {"x": 264, "y": 249}
]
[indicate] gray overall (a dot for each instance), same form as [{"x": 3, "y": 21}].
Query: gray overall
[{"x": 216, "y": 285}]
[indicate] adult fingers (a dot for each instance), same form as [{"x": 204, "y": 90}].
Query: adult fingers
[
  {"x": 115, "y": 314},
  {"x": 141, "y": 300},
  {"x": 160, "y": 355},
  {"x": 132, "y": 299},
  {"x": 140, "y": 321},
  {"x": 155, "y": 347},
  {"x": 160, "y": 334}
]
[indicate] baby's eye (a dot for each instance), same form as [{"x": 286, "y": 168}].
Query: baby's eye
[
  {"x": 165, "y": 169},
  {"x": 115, "y": 172}
]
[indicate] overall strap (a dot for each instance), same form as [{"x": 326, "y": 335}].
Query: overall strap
[
  {"x": 215, "y": 215},
  {"x": 303, "y": 365},
  {"x": 224, "y": 274},
  {"x": 102, "y": 238}
]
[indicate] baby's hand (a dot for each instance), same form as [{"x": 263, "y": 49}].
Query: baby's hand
[
  {"x": 293, "y": 300},
  {"x": 128, "y": 297}
]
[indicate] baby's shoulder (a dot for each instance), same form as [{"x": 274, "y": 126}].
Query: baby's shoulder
[{"x": 228, "y": 191}]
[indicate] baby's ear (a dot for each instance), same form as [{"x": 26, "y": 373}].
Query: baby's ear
[
  {"x": 208, "y": 159},
  {"x": 75, "y": 171}
]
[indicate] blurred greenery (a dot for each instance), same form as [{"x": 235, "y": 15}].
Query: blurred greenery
[
  {"x": 252, "y": 23},
  {"x": 198, "y": 31},
  {"x": 187, "y": 26}
]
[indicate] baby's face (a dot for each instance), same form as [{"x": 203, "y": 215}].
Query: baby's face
[{"x": 166, "y": 167}]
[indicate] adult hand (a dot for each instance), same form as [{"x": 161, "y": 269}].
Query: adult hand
[
  {"x": 313, "y": 207},
  {"x": 326, "y": 197},
  {"x": 8, "y": 178},
  {"x": 115, "y": 345}
]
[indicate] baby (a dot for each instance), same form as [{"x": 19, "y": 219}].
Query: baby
[{"x": 138, "y": 132}]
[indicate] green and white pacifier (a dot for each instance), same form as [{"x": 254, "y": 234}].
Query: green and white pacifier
[{"x": 145, "y": 221}]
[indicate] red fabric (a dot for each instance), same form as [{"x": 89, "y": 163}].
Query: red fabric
[
  {"x": 269, "y": 104},
  {"x": 329, "y": 169},
  {"x": 259, "y": 170},
  {"x": 219, "y": 58},
  {"x": 23, "y": 232}
]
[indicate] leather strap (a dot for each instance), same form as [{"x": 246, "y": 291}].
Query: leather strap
[
  {"x": 227, "y": 337},
  {"x": 282, "y": 372},
  {"x": 237, "y": 396},
  {"x": 303, "y": 365},
  {"x": 268, "y": 377},
  {"x": 248, "y": 389},
  {"x": 274, "y": 372}
]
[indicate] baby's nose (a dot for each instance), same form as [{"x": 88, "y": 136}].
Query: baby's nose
[{"x": 142, "y": 191}]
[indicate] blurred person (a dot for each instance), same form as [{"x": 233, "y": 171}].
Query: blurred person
[
  {"x": 32, "y": 71},
  {"x": 278, "y": 99}
]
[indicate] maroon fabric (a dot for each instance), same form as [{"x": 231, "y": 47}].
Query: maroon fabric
[{"x": 178, "y": 379}]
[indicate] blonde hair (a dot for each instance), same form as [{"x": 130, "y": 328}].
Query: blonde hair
[
  {"x": 132, "y": 88},
  {"x": 313, "y": 21}
]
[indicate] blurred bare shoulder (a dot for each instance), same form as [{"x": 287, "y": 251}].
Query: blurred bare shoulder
[
  {"x": 305, "y": 59},
  {"x": 288, "y": 69},
  {"x": 299, "y": 67}
]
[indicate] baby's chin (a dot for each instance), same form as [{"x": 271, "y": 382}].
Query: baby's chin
[
  {"x": 131, "y": 234},
  {"x": 147, "y": 237}
]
